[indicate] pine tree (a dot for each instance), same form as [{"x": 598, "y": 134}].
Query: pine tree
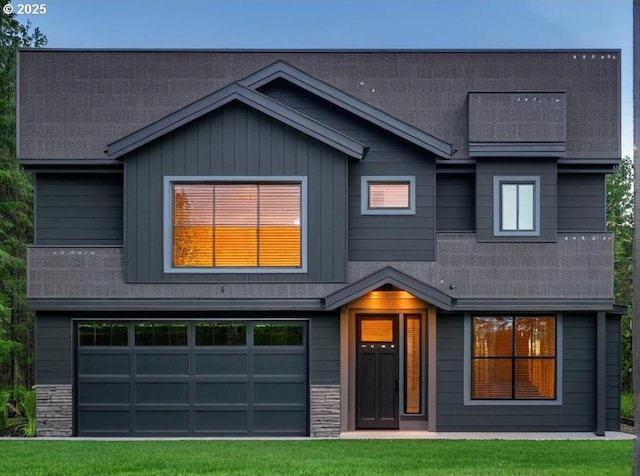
[{"x": 16, "y": 217}]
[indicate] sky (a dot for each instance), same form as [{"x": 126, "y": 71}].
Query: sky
[{"x": 346, "y": 24}]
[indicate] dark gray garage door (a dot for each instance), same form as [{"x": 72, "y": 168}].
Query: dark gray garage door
[{"x": 161, "y": 378}]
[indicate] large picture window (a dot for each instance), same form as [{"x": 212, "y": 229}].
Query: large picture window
[
  {"x": 513, "y": 358},
  {"x": 233, "y": 224}
]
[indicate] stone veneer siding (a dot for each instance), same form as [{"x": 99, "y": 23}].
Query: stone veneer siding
[
  {"x": 54, "y": 409},
  {"x": 325, "y": 411}
]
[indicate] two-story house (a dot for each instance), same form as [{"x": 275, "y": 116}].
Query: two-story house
[{"x": 314, "y": 242}]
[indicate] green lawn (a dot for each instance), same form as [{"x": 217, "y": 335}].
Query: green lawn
[{"x": 319, "y": 457}]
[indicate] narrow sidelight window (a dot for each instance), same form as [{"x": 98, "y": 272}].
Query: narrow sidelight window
[
  {"x": 413, "y": 366},
  {"x": 513, "y": 358}
]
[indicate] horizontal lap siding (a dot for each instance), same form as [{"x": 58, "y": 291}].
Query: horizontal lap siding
[
  {"x": 236, "y": 141},
  {"x": 581, "y": 202},
  {"x": 324, "y": 350},
  {"x": 78, "y": 209},
  {"x": 613, "y": 373},
  {"x": 54, "y": 363},
  {"x": 455, "y": 197},
  {"x": 577, "y": 413},
  {"x": 382, "y": 237},
  {"x": 487, "y": 169}
]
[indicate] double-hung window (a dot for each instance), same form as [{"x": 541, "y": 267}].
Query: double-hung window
[
  {"x": 516, "y": 207},
  {"x": 513, "y": 358},
  {"x": 247, "y": 224}
]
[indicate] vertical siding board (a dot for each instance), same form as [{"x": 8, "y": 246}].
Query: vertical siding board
[
  {"x": 143, "y": 221},
  {"x": 327, "y": 218},
  {"x": 316, "y": 195},
  {"x": 250, "y": 144},
  {"x": 131, "y": 217}
]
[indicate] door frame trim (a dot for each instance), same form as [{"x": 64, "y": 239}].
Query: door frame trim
[{"x": 409, "y": 305}]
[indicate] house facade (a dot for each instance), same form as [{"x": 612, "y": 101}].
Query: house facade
[{"x": 304, "y": 243}]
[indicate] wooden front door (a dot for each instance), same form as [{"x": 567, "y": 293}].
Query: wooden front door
[{"x": 377, "y": 371}]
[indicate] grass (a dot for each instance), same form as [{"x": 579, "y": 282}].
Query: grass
[
  {"x": 319, "y": 457},
  {"x": 626, "y": 405}
]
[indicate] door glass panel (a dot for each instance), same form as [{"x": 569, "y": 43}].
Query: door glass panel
[
  {"x": 376, "y": 330},
  {"x": 413, "y": 368}
]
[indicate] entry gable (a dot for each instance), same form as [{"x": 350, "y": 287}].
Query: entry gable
[
  {"x": 283, "y": 70},
  {"x": 389, "y": 275},
  {"x": 253, "y": 99}
]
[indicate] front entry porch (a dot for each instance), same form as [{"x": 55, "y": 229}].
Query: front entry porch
[{"x": 388, "y": 362}]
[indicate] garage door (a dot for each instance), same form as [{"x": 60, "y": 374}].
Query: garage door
[{"x": 221, "y": 378}]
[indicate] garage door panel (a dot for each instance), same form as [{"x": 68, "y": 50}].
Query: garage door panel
[
  {"x": 162, "y": 421},
  {"x": 278, "y": 392},
  {"x": 280, "y": 421},
  {"x": 162, "y": 392},
  {"x": 104, "y": 421},
  {"x": 101, "y": 392},
  {"x": 221, "y": 392},
  {"x": 153, "y": 364},
  {"x": 199, "y": 387},
  {"x": 221, "y": 364},
  {"x": 280, "y": 363},
  {"x": 104, "y": 364},
  {"x": 222, "y": 421}
]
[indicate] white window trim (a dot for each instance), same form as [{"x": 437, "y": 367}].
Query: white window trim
[
  {"x": 468, "y": 401},
  {"x": 516, "y": 179},
  {"x": 364, "y": 194},
  {"x": 167, "y": 226}
]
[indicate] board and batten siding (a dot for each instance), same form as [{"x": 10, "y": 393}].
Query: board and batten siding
[
  {"x": 582, "y": 202},
  {"x": 487, "y": 169},
  {"x": 455, "y": 197},
  {"x": 375, "y": 237},
  {"x": 78, "y": 209},
  {"x": 54, "y": 349},
  {"x": 613, "y": 351},
  {"x": 577, "y": 412},
  {"x": 235, "y": 140}
]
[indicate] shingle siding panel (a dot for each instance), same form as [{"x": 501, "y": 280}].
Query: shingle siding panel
[{"x": 129, "y": 89}]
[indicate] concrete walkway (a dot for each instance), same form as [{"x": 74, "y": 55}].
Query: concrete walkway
[{"x": 426, "y": 435}]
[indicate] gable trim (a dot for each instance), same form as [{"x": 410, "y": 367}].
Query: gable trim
[
  {"x": 253, "y": 99},
  {"x": 283, "y": 70},
  {"x": 394, "y": 277}
]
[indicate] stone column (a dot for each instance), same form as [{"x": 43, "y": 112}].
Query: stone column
[
  {"x": 325, "y": 411},
  {"x": 54, "y": 410}
]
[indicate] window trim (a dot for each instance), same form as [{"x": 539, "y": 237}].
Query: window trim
[
  {"x": 467, "y": 357},
  {"x": 167, "y": 226},
  {"x": 498, "y": 181},
  {"x": 365, "y": 180}
]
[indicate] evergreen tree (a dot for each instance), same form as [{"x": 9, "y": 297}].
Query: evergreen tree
[{"x": 16, "y": 324}]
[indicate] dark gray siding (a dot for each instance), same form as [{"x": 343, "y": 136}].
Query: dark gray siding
[
  {"x": 577, "y": 412},
  {"x": 53, "y": 349},
  {"x": 581, "y": 202},
  {"x": 324, "y": 350},
  {"x": 78, "y": 209},
  {"x": 486, "y": 169},
  {"x": 236, "y": 141},
  {"x": 381, "y": 237},
  {"x": 455, "y": 196},
  {"x": 613, "y": 373}
]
